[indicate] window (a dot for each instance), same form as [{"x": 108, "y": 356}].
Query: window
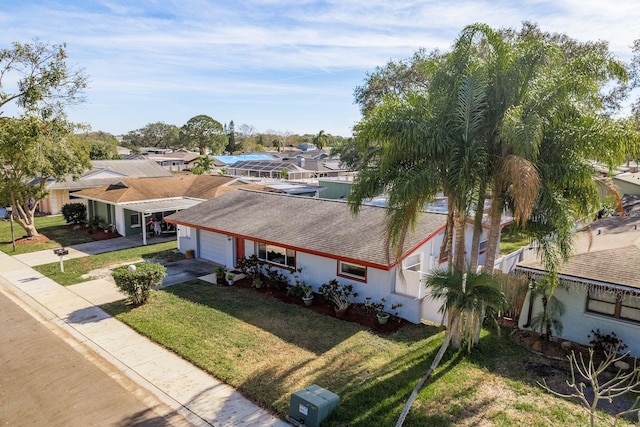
[
  {"x": 135, "y": 220},
  {"x": 413, "y": 262},
  {"x": 483, "y": 247},
  {"x": 277, "y": 255},
  {"x": 352, "y": 271},
  {"x": 614, "y": 304}
]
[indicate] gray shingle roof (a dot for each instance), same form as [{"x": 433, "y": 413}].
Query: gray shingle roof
[
  {"x": 609, "y": 253},
  {"x": 313, "y": 225},
  {"x": 119, "y": 168}
]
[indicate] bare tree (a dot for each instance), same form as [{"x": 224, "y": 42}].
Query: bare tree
[{"x": 593, "y": 383}]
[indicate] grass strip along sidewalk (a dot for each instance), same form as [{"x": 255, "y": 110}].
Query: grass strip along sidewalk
[{"x": 75, "y": 268}]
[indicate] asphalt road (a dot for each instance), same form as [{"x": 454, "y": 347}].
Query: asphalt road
[{"x": 44, "y": 381}]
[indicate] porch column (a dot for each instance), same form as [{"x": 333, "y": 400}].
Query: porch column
[{"x": 144, "y": 229}]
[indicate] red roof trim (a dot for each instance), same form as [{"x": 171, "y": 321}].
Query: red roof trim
[
  {"x": 422, "y": 242},
  {"x": 312, "y": 252}
]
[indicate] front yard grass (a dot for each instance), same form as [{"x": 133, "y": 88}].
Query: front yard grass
[
  {"x": 51, "y": 226},
  {"x": 512, "y": 240},
  {"x": 268, "y": 349},
  {"x": 75, "y": 268}
]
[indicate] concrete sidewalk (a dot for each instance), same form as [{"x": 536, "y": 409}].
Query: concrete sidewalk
[
  {"x": 91, "y": 248},
  {"x": 198, "y": 397}
]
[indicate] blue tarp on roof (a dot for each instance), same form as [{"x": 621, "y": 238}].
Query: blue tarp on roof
[{"x": 229, "y": 160}]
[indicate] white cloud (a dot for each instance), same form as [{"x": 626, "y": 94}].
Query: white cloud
[{"x": 200, "y": 52}]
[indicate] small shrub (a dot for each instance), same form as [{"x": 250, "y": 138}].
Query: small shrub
[
  {"x": 137, "y": 282},
  {"x": 275, "y": 279},
  {"x": 606, "y": 343},
  {"x": 74, "y": 213},
  {"x": 338, "y": 294},
  {"x": 251, "y": 267}
]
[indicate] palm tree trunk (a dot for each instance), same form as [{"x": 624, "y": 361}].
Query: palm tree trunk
[
  {"x": 427, "y": 375},
  {"x": 449, "y": 239},
  {"x": 458, "y": 258},
  {"x": 495, "y": 218},
  {"x": 477, "y": 230}
]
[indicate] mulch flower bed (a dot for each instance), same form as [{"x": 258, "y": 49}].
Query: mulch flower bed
[
  {"x": 356, "y": 312},
  {"x": 94, "y": 235}
]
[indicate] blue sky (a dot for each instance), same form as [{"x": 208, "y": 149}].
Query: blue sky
[{"x": 279, "y": 65}]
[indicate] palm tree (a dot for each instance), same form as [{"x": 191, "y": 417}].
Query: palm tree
[
  {"x": 321, "y": 139},
  {"x": 467, "y": 296},
  {"x": 204, "y": 163}
]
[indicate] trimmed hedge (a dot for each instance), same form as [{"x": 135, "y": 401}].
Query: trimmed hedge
[
  {"x": 74, "y": 213},
  {"x": 137, "y": 283}
]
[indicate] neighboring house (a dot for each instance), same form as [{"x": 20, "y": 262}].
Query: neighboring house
[
  {"x": 267, "y": 169},
  {"x": 228, "y": 160},
  {"x": 628, "y": 182},
  {"x": 322, "y": 238},
  {"x": 175, "y": 161},
  {"x": 130, "y": 203},
  {"x": 599, "y": 285},
  {"x": 307, "y": 146},
  {"x": 103, "y": 172}
]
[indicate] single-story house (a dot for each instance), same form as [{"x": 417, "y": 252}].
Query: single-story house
[
  {"x": 322, "y": 238},
  {"x": 175, "y": 161},
  {"x": 599, "y": 285},
  {"x": 129, "y": 204},
  {"x": 102, "y": 172}
]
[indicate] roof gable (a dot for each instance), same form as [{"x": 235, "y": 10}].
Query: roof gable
[
  {"x": 138, "y": 189},
  {"x": 313, "y": 225}
]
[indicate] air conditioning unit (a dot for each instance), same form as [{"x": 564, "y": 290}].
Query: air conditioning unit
[{"x": 310, "y": 406}]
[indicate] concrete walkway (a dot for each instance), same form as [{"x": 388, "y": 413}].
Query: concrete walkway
[{"x": 199, "y": 398}]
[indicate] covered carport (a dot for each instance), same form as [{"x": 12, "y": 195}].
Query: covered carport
[{"x": 147, "y": 208}]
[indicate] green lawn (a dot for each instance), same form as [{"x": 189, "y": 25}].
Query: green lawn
[
  {"x": 268, "y": 349},
  {"x": 75, "y": 268},
  {"x": 50, "y": 226},
  {"x": 511, "y": 241}
]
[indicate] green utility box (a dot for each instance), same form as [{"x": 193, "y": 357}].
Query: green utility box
[{"x": 312, "y": 405}]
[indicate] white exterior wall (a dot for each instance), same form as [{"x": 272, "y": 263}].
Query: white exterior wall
[
  {"x": 578, "y": 324},
  {"x": 120, "y": 223},
  {"x": 187, "y": 238}
]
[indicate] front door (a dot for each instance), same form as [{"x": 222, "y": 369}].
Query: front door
[{"x": 239, "y": 249}]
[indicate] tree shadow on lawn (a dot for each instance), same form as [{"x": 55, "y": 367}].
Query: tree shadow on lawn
[
  {"x": 291, "y": 323},
  {"x": 366, "y": 398}
]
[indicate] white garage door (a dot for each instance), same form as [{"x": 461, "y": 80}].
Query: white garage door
[{"x": 213, "y": 247}]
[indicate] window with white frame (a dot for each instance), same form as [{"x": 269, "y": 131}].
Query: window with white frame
[
  {"x": 135, "y": 220},
  {"x": 277, "y": 255},
  {"x": 352, "y": 271},
  {"x": 614, "y": 304},
  {"x": 483, "y": 247},
  {"x": 413, "y": 262}
]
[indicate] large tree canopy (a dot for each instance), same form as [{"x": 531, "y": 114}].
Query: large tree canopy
[
  {"x": 156, "y": 134},
  {"x": 37, "y": 145},
  {"x": 514, "y": 116},
  {"x": 103, "y": 145},
  {"x": 202, "y": 133},
  {"x": 31, "y": 152},
  {"x": 37, "y": 78}
]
